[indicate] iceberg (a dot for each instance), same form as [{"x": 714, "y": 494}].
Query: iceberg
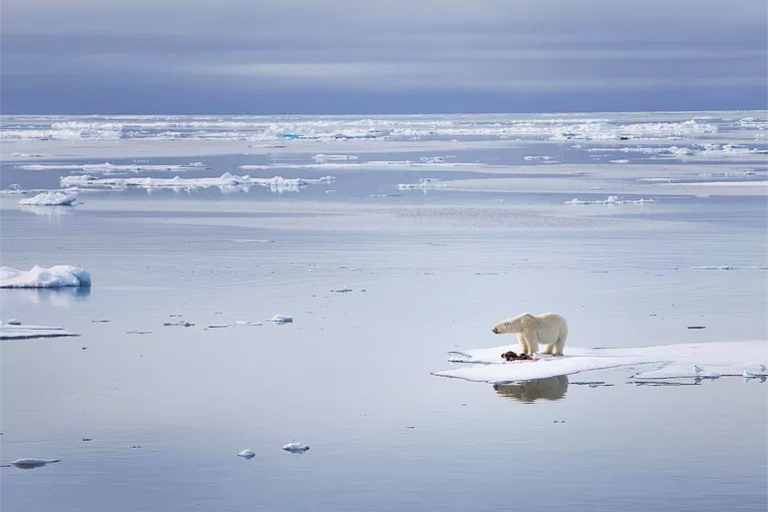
[
  {"x": 58, "y": 276},
  {"x": 50, "y": 198},
  {"x": 691, "y": 360}
]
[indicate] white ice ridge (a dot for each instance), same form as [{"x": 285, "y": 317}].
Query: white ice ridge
[
  {"x": 611, "y": 200},
  {"x": 108, "y": 168},
  {"x": 50, "y": 198},
  {"x": 58, "y": 276},
  {"x": 277, "y": 184},
  {"x": 691, "y": 360},
  {"x": 376, "y": 128},
  {"x": 320, "y": 157},
  {"x": 423, "y": 184},
  {"x": 424, "y": 163},
  {"x": 703, "y": 150},
  {"x": 16, "y": 331}
]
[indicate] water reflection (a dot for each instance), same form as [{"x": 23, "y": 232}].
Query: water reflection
[
  {"x": 553, "y": 388},
  {"x": 61, "y": 297}
]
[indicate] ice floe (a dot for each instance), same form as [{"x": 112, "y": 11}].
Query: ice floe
[
  {"x": 17, "y": 331},
  {"x": 246, "y": 454},
  {"x": 275, "y": 184},
  {"x": 709, "y": 150},
  {"x": 40, "y": 277},
  {"x": 33, "y": 463},
  {"x": 543, "y": 159},
  {"x": 282, "y": 319},
  {"x": 236, "y": 323},
  {"x": 295, "y": 447},
  {"x": 109, "y": 168},
  {"x": 610, "y": 200},
  {"x": 320, "y": 157},
  {"x": 13, "y": 190},
  {"x": 51, "y": 198},
  {"x": 713, "y": 360},
  {"x": 423, "y": 184}
]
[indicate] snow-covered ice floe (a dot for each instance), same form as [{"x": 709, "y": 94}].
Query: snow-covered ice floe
[
  {"x": 691, "y": 360},
  {"x": 109, "y": 168},
  {"x": 281, "y": 319},
  {"x": 33, "y": 463},
  {"x": 246, "y": 454},
  {"x": 13, "y": 330},
  {"x": 51, "y": 198},
  {"x": 423, "y": 184},
  {"x": 58, "y": 276},
  {"x": 275, "y": 184},
  {"x": 611, "y": 200},
  {"x": 295, "y": 447}
]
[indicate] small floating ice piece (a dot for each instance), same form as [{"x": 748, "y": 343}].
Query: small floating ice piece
[
  {"x": 58, "y": 276},
  {"x": 295, "y": 447},
  {"x": 32, "y": 463},
  {"x": 749, "y": 375},
  {"x": 342, "y": 290},
  {"x": 180, "y": 323},
  {"x": 282, "y": 319},
  {"x": 51, "y": 198},
  {"x": 246, "y": 454}
]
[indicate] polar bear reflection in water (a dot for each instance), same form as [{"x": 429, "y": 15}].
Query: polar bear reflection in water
[{"x": 553, "y": 388}]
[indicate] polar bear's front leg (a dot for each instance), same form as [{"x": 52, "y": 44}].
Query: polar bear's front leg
[{"x": 529, "y": 343}]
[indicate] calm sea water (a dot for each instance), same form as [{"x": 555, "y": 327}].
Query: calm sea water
[{"x": 166, "y": 412}]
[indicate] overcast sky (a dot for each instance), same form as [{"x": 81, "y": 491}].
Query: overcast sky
[{"x": 397, "y": 56}]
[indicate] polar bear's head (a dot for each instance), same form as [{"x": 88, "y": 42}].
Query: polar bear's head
[{"x": 514, "y": 324}]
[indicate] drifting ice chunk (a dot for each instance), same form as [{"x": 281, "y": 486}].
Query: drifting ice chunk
[
  {"x": 32, "y": 463},
  {"x": 282, "y": 319},
  {"x": 611, "y": 200},
  {"x": 58, "y": 276},
  {"x": 51, "y": 198},
  {"x": 295, "y": 447},
  {"x": 246, "y": 454}
]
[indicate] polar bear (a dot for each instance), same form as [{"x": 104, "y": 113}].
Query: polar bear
[{"x": 548, "y": 329}]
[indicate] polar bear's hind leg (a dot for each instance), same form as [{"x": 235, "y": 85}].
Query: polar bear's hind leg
[{"x": 559, "y": 345}]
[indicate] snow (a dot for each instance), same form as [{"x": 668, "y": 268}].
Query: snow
[
  {"x": 51, "y": 198},
  {"x": 13, "y": 330},
  {"x": 275, "y": 184},
  {"x": 296, "y": 447},
  {"x": 40, "y": 277},
  {"x": 717, "y": 359},
  {"x": 611, "y": 200}
]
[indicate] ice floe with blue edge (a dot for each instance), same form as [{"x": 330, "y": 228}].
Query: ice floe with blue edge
[{"x": 683, "y": 361}]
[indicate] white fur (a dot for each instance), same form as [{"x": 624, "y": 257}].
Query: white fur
[{"x": 548, "y": 329}]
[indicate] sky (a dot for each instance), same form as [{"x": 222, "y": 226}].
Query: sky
[{"x": 386, "y": 57}]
